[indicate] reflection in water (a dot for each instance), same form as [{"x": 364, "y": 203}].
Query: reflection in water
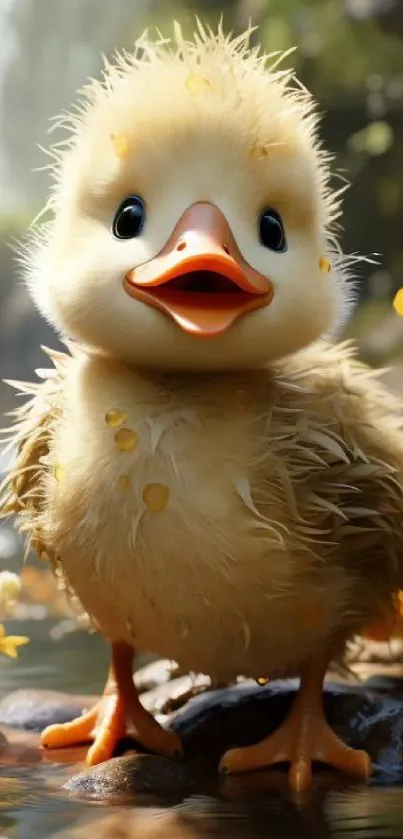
[
  {"x": 76, "y": 663},
  {"x": 353, "y": 814},
  {"x": 33, "y": 805},
  {"x": 368, "y": 813}
]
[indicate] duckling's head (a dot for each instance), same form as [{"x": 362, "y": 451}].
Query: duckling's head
[{"x": 192, "y": 214}]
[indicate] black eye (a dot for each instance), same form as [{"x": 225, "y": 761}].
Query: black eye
[
  {"x": 129, "y": 219},
  {"x": 271, "y": 231}
]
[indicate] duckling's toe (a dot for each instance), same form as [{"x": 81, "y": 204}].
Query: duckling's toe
[
  {"x": 302, "y": 739},
  {"x": 108, "y": 730},
  {"x": 114, "y": 716},
  {"x": 70, "y": 733},
  {"x": 104, "y": 724}
]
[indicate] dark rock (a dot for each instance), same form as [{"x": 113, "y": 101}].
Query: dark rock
[
  {"x": 245, "y": 713},
  {"x": 33, "y": 710},
  {"x": 389, "y": 685},
  {"x": 367, "y": 716},
  {"x": 134, "y": 774},
  {"x": 19, "y": 748}
]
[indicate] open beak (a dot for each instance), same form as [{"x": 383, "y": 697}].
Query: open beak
[{"x": 200, "y": 278}]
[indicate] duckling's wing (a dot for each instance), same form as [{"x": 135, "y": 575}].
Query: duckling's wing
[
  {"x": 355, "y": 426},
  {"x": 29, "y": 436}
]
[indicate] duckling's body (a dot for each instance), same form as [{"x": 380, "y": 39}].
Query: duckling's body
[
  {"x": 195, "y": 516},
  {"x": 236, "y": 512}
]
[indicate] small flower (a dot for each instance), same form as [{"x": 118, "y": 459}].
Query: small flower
[
  {"x": 10, "y": 587},
  {"x": 9, "y": 643}
]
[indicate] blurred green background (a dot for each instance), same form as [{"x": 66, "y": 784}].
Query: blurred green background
[{"x": 350, "y": 54}]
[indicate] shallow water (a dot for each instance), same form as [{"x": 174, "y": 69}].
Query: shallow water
[{"x": 33, "y": 806}]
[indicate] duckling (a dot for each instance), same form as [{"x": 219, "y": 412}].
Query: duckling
[{"x": 215, "y": 480}]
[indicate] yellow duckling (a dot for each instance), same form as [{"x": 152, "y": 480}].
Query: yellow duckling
[{"x": 214, "y": 480}]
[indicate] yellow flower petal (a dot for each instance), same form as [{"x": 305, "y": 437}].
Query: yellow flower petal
[
  {"x": 11, "y": 652},
  {"x": 2, "y": 631},
  {"x": 17, "y": 640},
  {"x": 9, "y": 644},
  {"x": 398, "y": 302}
]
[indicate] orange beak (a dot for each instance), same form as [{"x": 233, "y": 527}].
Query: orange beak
[{"x": 200, "y": 278}]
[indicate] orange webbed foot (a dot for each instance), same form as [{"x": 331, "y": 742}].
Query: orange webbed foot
[
  {"x": 118, "y": 712},
  {"x": 303, "y": 738},
  {"x": 104, "y": 725}
]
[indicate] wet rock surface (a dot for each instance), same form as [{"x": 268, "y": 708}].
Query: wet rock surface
[
  {"x": 366, "y": 715},
  {"x": 32, "y": 710},
  {"x": 134, "y": 775}
]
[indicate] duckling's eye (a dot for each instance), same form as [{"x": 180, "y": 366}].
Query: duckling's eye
[
  {"x": 271, "y": 231},
  {"x": 129, "y": 219}
]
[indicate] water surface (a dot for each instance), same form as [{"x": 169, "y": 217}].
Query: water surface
[{"x": 33, "y": 806}]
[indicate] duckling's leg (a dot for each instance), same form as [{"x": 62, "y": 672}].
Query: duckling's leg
[
  {"x": 105, "y": 724},
  {"x": 304, "y": 737}
]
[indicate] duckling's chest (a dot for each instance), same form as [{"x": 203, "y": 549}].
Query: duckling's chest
[
  {"x": 160, "y": 507},
  {"x": 148, "y": 467},
  {"x": 153, "y": 448}
]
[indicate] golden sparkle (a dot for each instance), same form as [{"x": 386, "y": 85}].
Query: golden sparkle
[
  {"x": 155, "y": 497},
  {"x": 126, "y": 439},
  {"x": 124, "y": 482},
  {"x": 60, "y": 472},
  {"x": 120, "y": 145},
  {"x": 398, "y": 303},
  {"x": 262, "y": 681},
  {"x": 197, "y": 84},
  {"x": 115, "y": 417},
  {"x": 324, "y": 264}
]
